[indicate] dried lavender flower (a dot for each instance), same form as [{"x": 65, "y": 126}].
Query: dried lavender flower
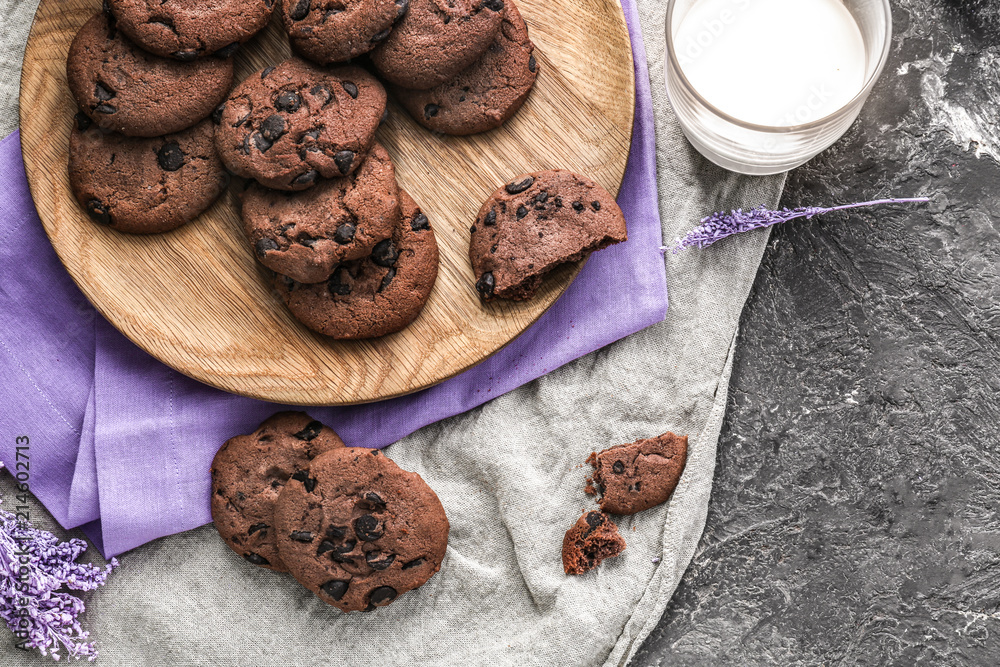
[
  {"x": 720, "y": 225},
  {"x": 35, "y": 571}
]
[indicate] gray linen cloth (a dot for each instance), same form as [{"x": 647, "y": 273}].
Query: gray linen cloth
[{"x": 510, "y": 475}]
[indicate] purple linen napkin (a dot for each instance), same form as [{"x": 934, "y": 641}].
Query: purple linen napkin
[{"x": 121, "y": 445}]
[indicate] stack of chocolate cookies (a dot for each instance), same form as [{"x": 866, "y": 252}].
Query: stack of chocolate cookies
[
  {"x": 348, "y": 524},
  {"x": 353, "y": 254},
  {"x": 142, "y": 153},
  {"x": 461, "y": 68}
]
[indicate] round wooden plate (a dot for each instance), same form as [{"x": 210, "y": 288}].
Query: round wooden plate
[{"x": 197, "y": 300}]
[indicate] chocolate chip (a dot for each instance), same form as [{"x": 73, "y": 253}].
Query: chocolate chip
[
  {"x": 345, "y": 233},
  {"x": 323, "y": 92},
  {"x": 262, "y": 143},
  {"x": 638, "y": 486},
  {"x": 325, "y": 546},
  {"x": 83, "y": 121},
  {"x": 339, "y": 554},
  {"x": 413, "y": 563},
  {"x": 307, "y": 481},
  {"x": 618, "y": 468},
  {"x": 263, "y": 246},
  {"x": 103, "y": 93},
  {"x": 380, "y": 37},
  {"x": 336, "y": 285},
  {"x": 594, "y": 519},
  {"x": 336, "y": 532},
  {"x": 378, "y": 562},
  {"x": 578, "y": 206},
  {"x": 217, "y": 114},
  {"x": 344, "y": 160},
  {"x": 299, "y": 11},
  {"x": 383, "y": 595},
  {"x": 288, "y": 101},
  {"x": 242, "y": 120},
  {"x": 596, "y": 205},
  {"x": 308, "y": 178},
  {"x": 99, "y": 212},
  {"x": 384, "y": 253},
  {"x": 387, "y": 280},
  {"x": 521, "y": 212},
  {"x": 495, "y": 5},
  {"x": 374, "y": 501},
  {"x": 520, "y": 186},
  {"x": 336, "y": 589},
  {"x": 185, "y": 56},
  {"x": 273, "y": 127},
  {"x": 257, "y": 527},
  {"x": 366, "y": 527},
  {"x": 532, "y": 64},
  {"x": 332, "y": 12},
  {"x": 311, "y": 430},
  {"x": 170, "y": 157},
  {"x": 228, "y": 50},
  {"x": 301, "y": 536},
  {"x": 105, "y": 108},
  {"x": 402, "y": 6},
  {"x": 420, "y": 223},
  {"x": 431, "y": 110},
  {"x": 311, "y": 134},
  {"x": 472, "y": 229},
  {"x": 485, "y": 285},
  {"x": 267, "y": 72},
  {"x": 541, "y": 197},
  {"x": 491, "y": 218},
  {"x": 351, "y": 88},
  {"x": 256, "y": 559}
]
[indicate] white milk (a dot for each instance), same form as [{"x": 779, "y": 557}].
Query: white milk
[{"x": 772, "y": 62}]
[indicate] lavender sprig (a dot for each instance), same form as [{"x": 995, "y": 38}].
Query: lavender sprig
[
  {"x": 35, "y": 571},
  {"x": 720, "y": 225}
]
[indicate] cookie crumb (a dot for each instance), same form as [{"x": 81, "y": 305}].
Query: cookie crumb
[{"x": 593, "y": 538}]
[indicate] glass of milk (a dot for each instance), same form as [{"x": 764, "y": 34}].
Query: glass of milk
[{"x": 762, "y": 86}]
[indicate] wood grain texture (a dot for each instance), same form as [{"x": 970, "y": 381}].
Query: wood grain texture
[{"x": 197, "y": 300}]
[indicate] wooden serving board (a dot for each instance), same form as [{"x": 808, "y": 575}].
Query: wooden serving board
[{"x": 197, "y": 300}]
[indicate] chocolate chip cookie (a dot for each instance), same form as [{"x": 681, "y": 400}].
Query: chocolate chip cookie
[
  {"x": 305, "y": 235},
  {"x": 359, "y": 531},
  {"x": 249, "y": 472},
  {"x": 640, "y": 475},
  {"x": 536, "y": 223},
  {"x": 144, "y": 185},
  {"x": 436, "y": 40},
  {"x": 125, "y": 89},
  {"x": 187, "y": 29},
  {"x": 484, "y": 96},
  {"x": 326, "y": 31},
  {"x": 592, "y": 538},
  {"x": 375, "y": 296},
  {"x": 287, "y": 126}
]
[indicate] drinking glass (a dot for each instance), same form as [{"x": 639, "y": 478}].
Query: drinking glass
[{"x": 749, "y": 148}]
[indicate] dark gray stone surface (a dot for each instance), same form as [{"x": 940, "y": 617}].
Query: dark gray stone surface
[{"x": 854, "y": 515}]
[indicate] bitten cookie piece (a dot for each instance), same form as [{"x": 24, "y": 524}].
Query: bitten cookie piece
[
  {"x": 144, "y": 186},
  {"x": 187, "y": 29},
  {"x": 536, "y": 223},
  {"x": 484, "y": 96},
  {"x": 592, "y": 538},
  {"x": 375, "y": 296},
  {"x": 437, "y": 40},
  {"x": 248, "y": 473},
  {"x": 286, "y": 126},
  {"x": 125, "y": 89},
  {"x": 360, "y": 531},
  {"x": 305, "y": 235},
  {"x": 634, "y": 477},
  {"x": 327, "y": 32}
]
